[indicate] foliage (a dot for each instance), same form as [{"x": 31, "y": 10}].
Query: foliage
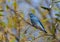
[{"x": 16, "y": 25}]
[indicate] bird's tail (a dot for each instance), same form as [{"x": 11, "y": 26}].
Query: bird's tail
[{"x": 45, "y": 31}]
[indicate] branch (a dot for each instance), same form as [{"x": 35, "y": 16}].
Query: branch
[
  {"x": 42, "y": 36},
  {"x": 13, "y": 35}
]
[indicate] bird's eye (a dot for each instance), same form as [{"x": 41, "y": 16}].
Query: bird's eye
[{"x": 31, "y": 15}]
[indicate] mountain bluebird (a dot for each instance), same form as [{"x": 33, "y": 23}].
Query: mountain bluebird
[{"x": 36, "y": 22}]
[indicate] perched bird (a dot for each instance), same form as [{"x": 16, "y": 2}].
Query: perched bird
[{"x": 36, "y": 22}]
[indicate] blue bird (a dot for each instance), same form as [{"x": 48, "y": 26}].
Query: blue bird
[{"x": 36, "y": 22}]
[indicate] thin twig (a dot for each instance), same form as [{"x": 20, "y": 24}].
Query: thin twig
[
  {"x": 42, "y": 36},
  {"x": 13, "y": 35}
]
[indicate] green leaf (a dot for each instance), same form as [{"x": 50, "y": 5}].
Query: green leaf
[
  {"x": 57, "y": 20},
  {"x": 1, "y": 14},
  {"x": 7, "y": 7},
  {"x": 1, "y": 10},
  {"x": 53, "y": 29},
  {"x": 34, "y": 28},
  {"x": 43, "y": 21},
  {"x": 2, "y": 24},
  {"x": 10, "y": 22},
  {"x": 57, "y": 15},
  {"x": 9, "y": 0},
  {"x": 45, "y": 8},
  {"x": 13, "y": 40},
  {"x": 57, "y": 9},
  {"x": 59, "y": 30},
  {"x": 57, "y": 1}
]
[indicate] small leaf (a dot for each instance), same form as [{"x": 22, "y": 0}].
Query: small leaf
[
  {"x": 10, "y": 22},
  {"x": 45, "y": 20},
  {"x": 57, "y": 1},
  {"x": 1, "y": 10},
  {"x": 1, "y": 14},
  {"x": 57, "y": 15},
  {"x": 15, "y": 5},
  {"x": 22, "y": 15},
  {"x": 7, "y": 7},
  {"x": 22, "y": 35},
  {"x": 2, "y": 24},
  {"x": 34, "y": 28},
  {"x": 8, "y": 0},
  {"x": 28, "y": 0},
  {"x": 13, "y": 40},
  {"x": 53, "y": 29},
  {"x": 57, "y": 9},
  {"x": 59, "y": 30},
  {"x": 57, "y": 20},
  {"x": 45, "y": 8}
]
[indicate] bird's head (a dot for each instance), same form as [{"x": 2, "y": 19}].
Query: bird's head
[{"x": 31, "y": 14}]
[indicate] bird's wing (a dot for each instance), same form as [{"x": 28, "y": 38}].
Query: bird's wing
[
  {"x": 40, "y": 26},
  {"x": 34, "y": 21}
]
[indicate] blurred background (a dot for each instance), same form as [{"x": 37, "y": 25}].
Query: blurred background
[{"x": 15, "y": 24}]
